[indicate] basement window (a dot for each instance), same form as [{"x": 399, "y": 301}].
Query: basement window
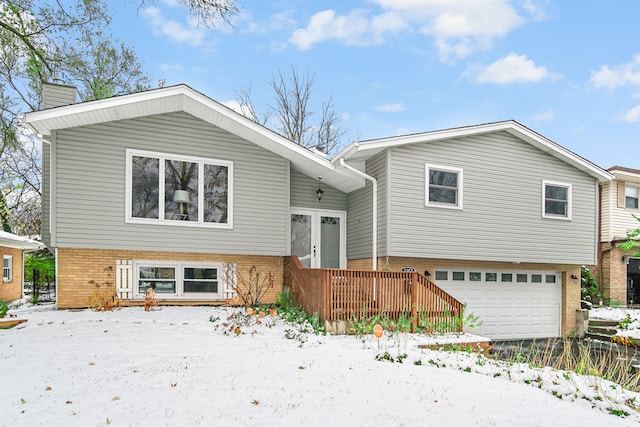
[{"x": 200, "y": 281}]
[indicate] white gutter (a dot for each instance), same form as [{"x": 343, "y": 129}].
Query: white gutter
[
  {"x": 46, "y": 141},
  {"x": 374, "y": 252}
]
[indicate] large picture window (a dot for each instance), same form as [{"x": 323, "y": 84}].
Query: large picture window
[
  {"x": 178, "y": 280},
  {"x": 178, "y": 189},
  {"x": 556, "y": 200},
  {"x": 443, "y": 186}
]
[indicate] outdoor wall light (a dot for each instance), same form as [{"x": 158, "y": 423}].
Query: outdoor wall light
[
  {"x": 319, "y": 191},
  {"x": 575, "y": 278},
  {"x": 427, "y": 274}
]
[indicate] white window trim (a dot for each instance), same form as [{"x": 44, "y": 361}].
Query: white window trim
[
  {"x": 179, "y": 268},
  {"x": 637, "y": 187},
  {"x": 161, "y": 220},
  {"x": 10, "y": 277},
  {"x": 459, "y": 171},
  {"x": 569, "y": 200}
]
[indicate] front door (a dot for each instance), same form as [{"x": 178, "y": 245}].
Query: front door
[{"x": 318, "y": 238}]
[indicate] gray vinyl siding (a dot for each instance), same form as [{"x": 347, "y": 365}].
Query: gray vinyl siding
[
  {"x": 90, "y": 203},
  {"x": 502, "y": 195},
  {"x": 303, "y": 194},
  {"x": 360, "y": 217},
  {"x": 55, "y": 95}
]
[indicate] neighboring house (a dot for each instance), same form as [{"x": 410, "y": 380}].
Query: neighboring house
[
  {"x": 170, "y": 189},
  {"x": 12, "y": 249},
  {"x": 618, "y": 271}
]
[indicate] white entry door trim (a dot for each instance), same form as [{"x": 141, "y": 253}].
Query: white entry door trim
[{"x": 313, "y": 233}]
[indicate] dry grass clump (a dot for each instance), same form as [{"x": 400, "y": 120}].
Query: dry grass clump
[{"x": 612, "y": 363}]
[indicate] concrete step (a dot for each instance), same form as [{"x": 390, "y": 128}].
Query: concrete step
[
  {"x": 603, "y": 330},
  {"x": 597, "y": 336},
  {"x": 602, "y": 322}
]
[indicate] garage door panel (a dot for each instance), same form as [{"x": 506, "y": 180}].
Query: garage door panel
[{"x": 511, "y": 310}]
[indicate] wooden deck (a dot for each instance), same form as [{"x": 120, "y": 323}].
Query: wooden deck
[{"x": 343, "y": 295}]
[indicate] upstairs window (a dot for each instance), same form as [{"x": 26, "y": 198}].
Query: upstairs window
[
  {"x": 556, "y": 200},
  {"x": 443, "y": 186},
  {"x": 181, "y": 190},
  {"x": 631, "y": 197},
  {"x": 7, "y": 270}
]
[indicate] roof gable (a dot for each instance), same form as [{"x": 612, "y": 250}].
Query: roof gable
[
  {"x": 183, "y": 98},
  {"x": 363, "y": 150}
]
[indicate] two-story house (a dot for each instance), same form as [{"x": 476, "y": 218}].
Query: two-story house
[
  {"x": 618, "y": 271},
  {"x": 170, "y": 189}
]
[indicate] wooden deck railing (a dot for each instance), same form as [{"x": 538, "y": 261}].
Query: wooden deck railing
[{"x": 337, "y": 294}]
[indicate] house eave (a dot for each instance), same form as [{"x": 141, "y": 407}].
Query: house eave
[
  {"x": 9, "y": 240},
  {"x": 183, "y": 98},
  {"x": 363, "y": 150}
]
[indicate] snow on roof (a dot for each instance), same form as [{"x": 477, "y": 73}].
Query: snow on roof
[{"x": 14, "y": 241}]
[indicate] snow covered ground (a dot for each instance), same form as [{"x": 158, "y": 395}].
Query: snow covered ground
[
  {"x": 174, "y": 367},
  {"x": 618, "y": 314}
]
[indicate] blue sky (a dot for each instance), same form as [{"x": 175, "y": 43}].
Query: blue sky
[{"x": 569, "y": 70}]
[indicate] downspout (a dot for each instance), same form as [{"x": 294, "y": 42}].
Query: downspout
[
  {"x": 374, "y": 251},
  {"x": 55, "y": 249}
]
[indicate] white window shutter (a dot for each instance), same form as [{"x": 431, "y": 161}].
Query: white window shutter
[
  {"x": 124, "y": 279},
  {"x": 230, "y": 280}
]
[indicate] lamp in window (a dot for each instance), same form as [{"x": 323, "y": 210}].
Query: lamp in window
[
  {"x": 319, "y": 191},
  {"x": 181, "y": 197}
]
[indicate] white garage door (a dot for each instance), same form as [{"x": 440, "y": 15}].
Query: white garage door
[{"x": 509, "y": 304}]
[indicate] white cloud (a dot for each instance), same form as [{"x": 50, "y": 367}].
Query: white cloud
[
  {"x": 352, "y": 29},
  {"x": 514, "y": 68},
  {"x": 276, "y": 22},
  {"x": 537, "y": 10},
  {"x": 460, "y": 27},
  {"x": 171, "y": 68},
  {"x": 633, "y": 115},
  {"x": 390, "y": 108},
  {"x": 627, "y": 74},
  {"x": 189, "y": 34},
  {"x": 544, "y": 116}
]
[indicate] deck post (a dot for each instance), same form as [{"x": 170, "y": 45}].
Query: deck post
[{"x": 414, "y": 299}]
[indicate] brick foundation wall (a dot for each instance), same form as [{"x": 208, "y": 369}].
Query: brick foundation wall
[
  {"x": 570, "y": 290},
  {"x": 12, "y": 290},
  {"x": 612, "y": 273},
  {"x": 84, "y": 272}
]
